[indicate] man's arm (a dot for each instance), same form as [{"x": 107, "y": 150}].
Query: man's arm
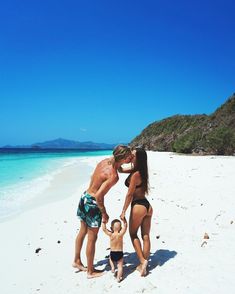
[{"x": 99, "y": 195}]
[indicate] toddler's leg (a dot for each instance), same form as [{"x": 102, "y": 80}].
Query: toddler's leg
[
  {"x": 120, "y": 270},
  {"x": 112, "y": 265}
]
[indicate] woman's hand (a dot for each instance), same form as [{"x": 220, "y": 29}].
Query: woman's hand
[{"x": 122, "y": 216}]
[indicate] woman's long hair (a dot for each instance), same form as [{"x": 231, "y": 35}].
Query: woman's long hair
[{"x": 142, "y": 167}]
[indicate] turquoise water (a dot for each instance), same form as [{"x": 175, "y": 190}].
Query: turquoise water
[
  {"x": 24, "y": 174},
  {"x": 18, "y": 167}
]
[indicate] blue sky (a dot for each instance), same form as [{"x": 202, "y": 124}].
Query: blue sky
[{"x": 104, "y": 70}]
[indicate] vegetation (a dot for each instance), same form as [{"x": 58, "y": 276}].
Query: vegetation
[
  {"x": 204, "y": 134},
  {"x": 221, "y": 141},
  {"x": 188, "y": 142}
]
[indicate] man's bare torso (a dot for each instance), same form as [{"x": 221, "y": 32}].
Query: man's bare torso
[{"x": 104, "y": 171}]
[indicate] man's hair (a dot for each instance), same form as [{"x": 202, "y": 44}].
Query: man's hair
[{"x": 121, "y": 152}]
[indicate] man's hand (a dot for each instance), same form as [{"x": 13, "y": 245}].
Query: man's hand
[{"x": 105, "y": 218}]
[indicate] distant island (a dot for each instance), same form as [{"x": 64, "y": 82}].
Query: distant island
[
  {"x": 61, "y": 143},
  {"x": 198, "y": 134}
]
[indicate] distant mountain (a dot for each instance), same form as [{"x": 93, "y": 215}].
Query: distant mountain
[
  {"x": 66, "y": 144},
  {"x": 203, "y": 134}
]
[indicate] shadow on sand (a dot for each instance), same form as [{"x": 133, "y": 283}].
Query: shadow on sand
[{"x": 159, "y": 258}]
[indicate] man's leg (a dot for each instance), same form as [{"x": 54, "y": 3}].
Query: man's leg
[
  {"x": 78, "y": 247},
  {"x": 90, "y": 253}
]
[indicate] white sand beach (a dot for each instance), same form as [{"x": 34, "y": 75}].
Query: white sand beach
[{"x": 190, "y": 195}]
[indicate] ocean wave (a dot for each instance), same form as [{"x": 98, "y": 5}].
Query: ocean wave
[{"x": 14, "y": 196}]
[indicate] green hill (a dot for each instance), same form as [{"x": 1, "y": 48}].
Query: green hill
[{"x": 202, "y": 134}]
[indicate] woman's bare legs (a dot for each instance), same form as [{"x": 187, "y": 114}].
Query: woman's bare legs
[
  {"x": 145, "y": 229},
  {"x": 78, "y": 247},
  {"x": 138, "y": 212},
  {"x": 141, "y": 217}
]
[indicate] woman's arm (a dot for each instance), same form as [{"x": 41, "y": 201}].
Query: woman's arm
[
  {"x": 129, "y": 195},
  {"x": 124, "y": 228}
]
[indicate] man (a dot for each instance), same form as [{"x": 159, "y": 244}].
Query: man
[{"x": 91, "y": 209}]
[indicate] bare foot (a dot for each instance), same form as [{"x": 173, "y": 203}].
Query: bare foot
[
  {"x": 95, "y": 274},
  {"x": 138, "y": 268},
  {"x": 119, "y": 279},
  {"x": 80, "y": 266},
  {"x": 113, "y": 270},
  {"x": 143, "y": 271}
]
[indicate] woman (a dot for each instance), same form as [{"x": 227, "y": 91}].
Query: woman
[{"x": 141, "y": 210}]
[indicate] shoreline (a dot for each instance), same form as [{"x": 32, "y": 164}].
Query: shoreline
[
  {"x": 190, "y": 196},
  {"x": 57, "y": 185}
]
